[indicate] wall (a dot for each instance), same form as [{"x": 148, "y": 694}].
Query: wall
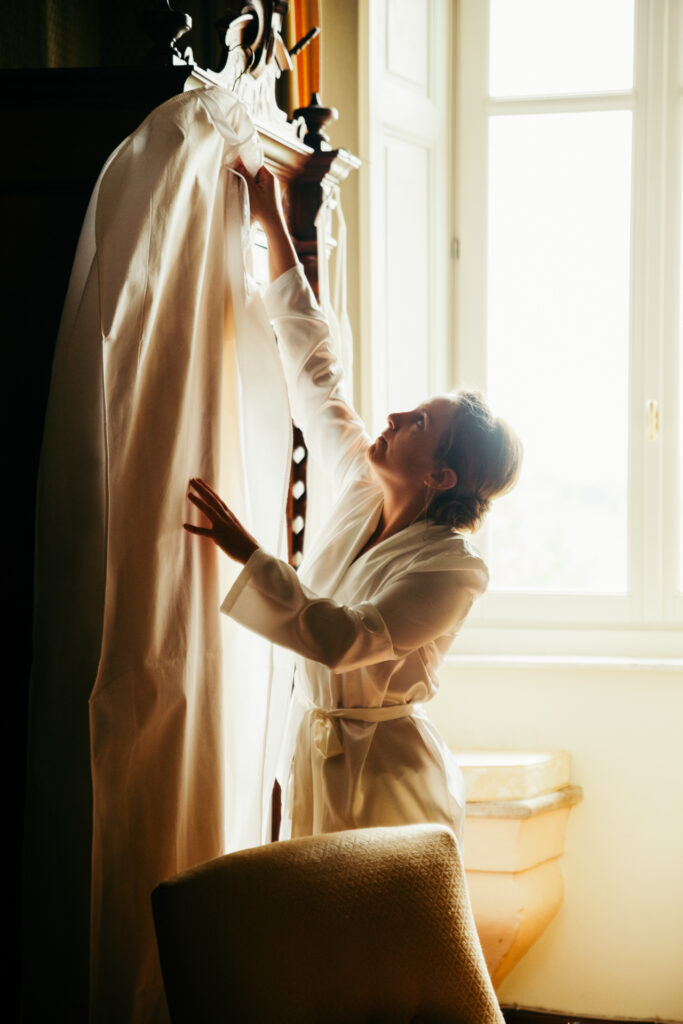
[{"x": 616, "y": 945}]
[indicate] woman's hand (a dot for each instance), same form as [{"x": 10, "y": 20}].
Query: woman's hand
[
  {"x": 266, "y": 208},
  {"x": 265, "y": 202},
  {"x": 226, "y": 530}
]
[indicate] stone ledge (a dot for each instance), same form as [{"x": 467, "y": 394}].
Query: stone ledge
[{"x": 567, "y": 796}]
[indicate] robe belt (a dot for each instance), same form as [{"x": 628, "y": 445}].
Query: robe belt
[{"x": 324, "y": 731}]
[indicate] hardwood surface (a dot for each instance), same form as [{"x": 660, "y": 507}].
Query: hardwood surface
[{"x": 517, "y": 1015}]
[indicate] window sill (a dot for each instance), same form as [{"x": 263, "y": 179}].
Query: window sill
[
  {"x": 530, "y": 662},
  {"x": 543, "y": 647}
]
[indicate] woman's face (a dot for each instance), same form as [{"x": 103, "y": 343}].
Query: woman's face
[{"x": 405, "y": 453}]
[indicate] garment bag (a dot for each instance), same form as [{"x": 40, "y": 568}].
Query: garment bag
[{"x": 165, "y": 368}]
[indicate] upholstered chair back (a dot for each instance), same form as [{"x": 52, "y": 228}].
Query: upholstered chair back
[{"x": 366, "y": 925}]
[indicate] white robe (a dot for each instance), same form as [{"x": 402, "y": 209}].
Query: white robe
[{"x": 368, "y": 632}]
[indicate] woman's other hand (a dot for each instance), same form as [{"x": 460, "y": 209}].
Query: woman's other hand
[{"x": 226, "y": 530}]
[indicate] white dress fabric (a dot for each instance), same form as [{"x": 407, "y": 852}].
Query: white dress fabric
[
  {"x": 138, "y": 680},
  {"x": 367, "y": 633}
]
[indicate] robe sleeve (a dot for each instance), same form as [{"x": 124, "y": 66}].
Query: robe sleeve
[
  {"x": 422, "y": 605},
  {"x": 333, "y": 430}
]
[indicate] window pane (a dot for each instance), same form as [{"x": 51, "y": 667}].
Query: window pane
[
  {"x": 545, "y": 47},
  {"x": 558, "y": 342}
]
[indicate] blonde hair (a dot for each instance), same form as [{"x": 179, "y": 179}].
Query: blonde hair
[{"x": 485, "y": 454}]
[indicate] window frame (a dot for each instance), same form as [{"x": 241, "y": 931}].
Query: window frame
[{"x": 647, "y": 620}]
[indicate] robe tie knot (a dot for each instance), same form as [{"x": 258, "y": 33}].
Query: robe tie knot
[{"x": 325, "y": 732}]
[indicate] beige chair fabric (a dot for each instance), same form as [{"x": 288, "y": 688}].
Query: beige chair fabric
[{"x": 365, "y": 925}]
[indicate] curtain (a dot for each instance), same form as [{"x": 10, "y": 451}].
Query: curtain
[
  {"x": 302, "y": 15},
  {"x": 150, "y": 720}
]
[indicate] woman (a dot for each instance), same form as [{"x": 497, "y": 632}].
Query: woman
[{"x": 384, "y": 588}]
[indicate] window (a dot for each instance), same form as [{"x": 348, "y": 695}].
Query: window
[{"x": 567, "y": 176}]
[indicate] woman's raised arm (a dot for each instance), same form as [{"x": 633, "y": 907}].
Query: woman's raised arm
[
  {"x": 266, "y": 208},
  {"x": 333, "y": 431}
]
